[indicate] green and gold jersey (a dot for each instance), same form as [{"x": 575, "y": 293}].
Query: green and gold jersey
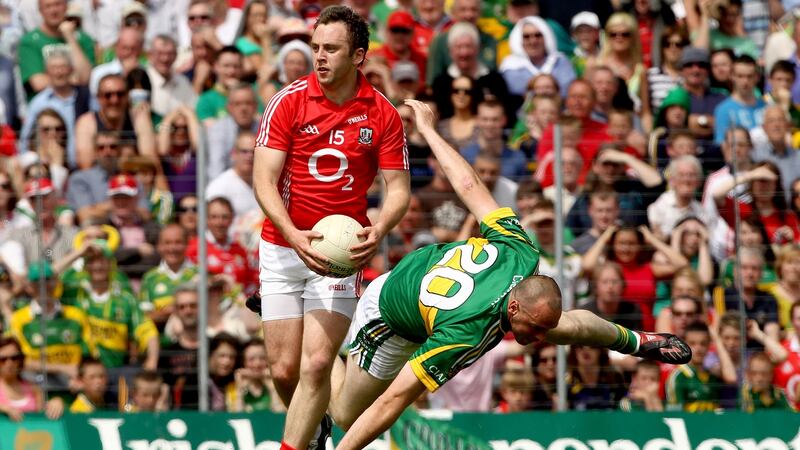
[
  {"x": 65, "y": 336},
  {"x": 692, "y": 389},
  {"x": 71, "y": 281},
  {"x": 757, "y": 401},
  {"x": 115, "y": 319},
  {"x": 452, "y": 298},
  {"x": 159, "y": 283}
]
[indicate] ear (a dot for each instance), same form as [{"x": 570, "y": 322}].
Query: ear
[
  {"x": 359, "y": 57},
  {"x": 513, "y": 307}
]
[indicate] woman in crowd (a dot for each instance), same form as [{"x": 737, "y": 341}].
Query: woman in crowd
[
  {"x": 665, "y": 76},
  {"x": 254, "y": 388},
  {"x": 622, "y": 52},
  {"x": 752, "y": 234},
  {"x": 8, "y": 200},
  {"x": 593, "y": 383},
  {"x": 685, "y": 283},
  {"x": 721, "y": 70},
  {"x": 254, "y": 38},
  {"x": 294, "y": 61},
  {"x": 533, "y": 52},
  {"x": 223, "y": 358},
  {"x": 48, "y": 145},
  {"x": 787, "y": 289},
  {"x": 543, "y": 359},
  {"x": 628, "y": 247},
  {"x": 653, "y": 18},
  {"x": 179, "y": 139},
  {"x": 18, "y": 396},
  {"x": 186, "y": 214},
  {"x": 460, "y": 129}
]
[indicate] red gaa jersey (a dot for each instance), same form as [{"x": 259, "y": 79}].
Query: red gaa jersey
[
  {"x": 230, "y": 259},
  {"x": 334, "y": 151}
]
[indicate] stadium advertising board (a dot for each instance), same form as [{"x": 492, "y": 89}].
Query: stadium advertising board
[{"x": 525, "y": 431}]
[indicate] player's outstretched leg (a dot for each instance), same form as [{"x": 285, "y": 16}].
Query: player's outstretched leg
[{"x": 585, "y": 328}]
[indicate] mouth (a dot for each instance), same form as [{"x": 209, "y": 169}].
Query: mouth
[{"x": 323, "y": 70}]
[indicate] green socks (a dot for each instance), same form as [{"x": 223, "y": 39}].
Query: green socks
[{"x": 627, "y": 341}]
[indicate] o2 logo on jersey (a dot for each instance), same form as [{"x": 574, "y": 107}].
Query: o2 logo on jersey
[
  {"x": 438, "y": 281},
  {"x": 340, "y": 172}
]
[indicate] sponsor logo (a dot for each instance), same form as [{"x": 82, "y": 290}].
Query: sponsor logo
[
  {"x": 309, "y": 129},
  {"x": 365, "y": 136},
  {"x": 356, "y": 119},
  {"x": 337, "y": 287}
]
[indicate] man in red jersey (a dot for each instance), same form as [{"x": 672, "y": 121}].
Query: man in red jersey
[{"x": 321, "y": 142}]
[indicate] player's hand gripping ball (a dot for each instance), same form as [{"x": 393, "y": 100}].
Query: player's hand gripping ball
[{"x": 339, "y": 233}]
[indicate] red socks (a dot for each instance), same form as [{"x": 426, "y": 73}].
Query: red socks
[{"x": 285, "y": 446}]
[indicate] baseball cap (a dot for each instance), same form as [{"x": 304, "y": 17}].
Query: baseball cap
[
  {"x": 694, "y": 55},
  {"x": 134, "y": 8},
  {"x": 293, "y": 28},
  {"x": 400, "y": 19},
  {"x": 405, "y": 70},
  {"x": 585, "y": 18},
  {"x": 74, "y": 11},
  {"x": 122, "y": 185},
  {"x": 40, "y": 186},
  {"x": 38, "y": 269}
]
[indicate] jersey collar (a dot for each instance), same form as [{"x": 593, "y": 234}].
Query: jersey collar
[{"x": 365, "y": 90}]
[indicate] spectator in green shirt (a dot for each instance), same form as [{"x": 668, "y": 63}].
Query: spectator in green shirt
[
  {"x": 228, "y": 72},
  {"x": 758, "y": 392},
  {"x": 54, "y": 32}
]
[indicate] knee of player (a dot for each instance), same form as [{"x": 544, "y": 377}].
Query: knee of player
[
  {"x": 342, "y": 418},
  {"x": 316, "y": 366},
  {"x": 285, "y": 373}
]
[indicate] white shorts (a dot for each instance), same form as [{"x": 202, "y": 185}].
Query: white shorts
[
  {"x": 289, "y": 289},
  {"x": 380, "y": 352}
]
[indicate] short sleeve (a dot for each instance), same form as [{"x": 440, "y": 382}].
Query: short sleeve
[
  {"x": 275, "y": 130},
  {"x": 449, "y": 350},
  {"x": 393, "y": 151},
  {"x": 205, "y": 108}
]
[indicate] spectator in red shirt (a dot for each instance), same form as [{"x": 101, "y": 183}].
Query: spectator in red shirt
[
  {"x": 430, "y": 21},
  {"x": 224, "y": 254},
  {"x": 398, "y": 44},
  {"x": 579, "y": 103}
]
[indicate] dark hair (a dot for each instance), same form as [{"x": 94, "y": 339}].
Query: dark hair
[
  {"x": 10, "y": 340},
  {"x": 745, "y": 59},
  {"x": 221, "y": 339},
  {"x": 647, "y": 364},
  {"x": 138, "y": 79},
  {"x": 754, "y": 221},
  {"x": 222, "y": 201},
  {"x": 528, "y": 188},
  {"x": 643, "y": 254},
  {"x": 697, "y": 326},
  {"x": 609, "y": 376},
  {"x": 676, "y": 134},
  {"x": 227, "y": 49},
  {"x": 783, "y": 66},
  {"x": 794, "y": 306},
  {"x": 52, "y": 113},
  {"x": 603, "y": 194},
  {"x": 86, "y": 362},
  {"x": 357, "y": 27},
  {"x": 778, "y": 197},
  {"x": 243, "y": 27}
]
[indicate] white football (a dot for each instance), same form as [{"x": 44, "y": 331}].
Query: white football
[{"x": 339, "y": 234}]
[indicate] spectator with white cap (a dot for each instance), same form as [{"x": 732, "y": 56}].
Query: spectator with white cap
[
  {"x": 534, "y": 51},
  {"x": 585, "y": 29},
  {"x": 397, "y": 42},
  {"x": 405, "y": 76}
]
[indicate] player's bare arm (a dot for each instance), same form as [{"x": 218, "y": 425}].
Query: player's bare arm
[
  {"x": 465, "y": 181},
  {"x": 384, "y": 411},
  {"x": 267, "y": 168},
  {"x": 395, "y": 204}
]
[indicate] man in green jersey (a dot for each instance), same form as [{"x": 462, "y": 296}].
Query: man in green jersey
[{"x": 445, "y": 305}]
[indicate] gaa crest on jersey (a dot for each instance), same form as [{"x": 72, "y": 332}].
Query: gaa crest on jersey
[
  {"x": 67, "y": 337},
  {"x": 365, "y": 136}
]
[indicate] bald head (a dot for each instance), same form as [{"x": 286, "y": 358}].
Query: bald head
[
  {"x": 534, "y": 308},
  {"x": 538, "y": 291}
]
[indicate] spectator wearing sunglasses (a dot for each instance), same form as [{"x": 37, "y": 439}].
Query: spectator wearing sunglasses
[
  {"x": 128, "y": 48},
  {"x": 86, "y": 189},
  {"x": 186, "y": 214},
  {"x": 134, "y": 124},
  {"x": 17, "y": 395}
]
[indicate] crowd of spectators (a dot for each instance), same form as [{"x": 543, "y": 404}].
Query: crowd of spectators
[{"x": 675, "y": 124}]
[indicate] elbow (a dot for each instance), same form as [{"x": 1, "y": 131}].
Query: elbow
[{"x": 469, "y": 183}]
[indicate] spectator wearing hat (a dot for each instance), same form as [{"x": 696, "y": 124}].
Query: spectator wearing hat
[
  {"x": 158, "y": 203},
  {"x": 54, "y": 31},
  {"x": 294, "y": 61},
  {"x": 136, "y": 253},
  {"x": 55, "y": 237},
  {"x": 68, "y": 100},
  {"x": 585, "y": 28},
  {"x": 236, "y": 183},
  {"x": 406, "y": 78},
  {"x": 702, "y": 101},
  {"x": 242, "y": 106},
  {"x": 169, "y": 88},
  {"x": 157, "y": 292},
  {"x": 563, "y": 12},
  {"x": 113, "y": 312},
  {"x": 397, "y": 44},
  {"x": 65, "y": 336},
  {"x": 533, "y": 52},
  {"x": 134, "y": 15},
  {"x": 439, "y": 54}
]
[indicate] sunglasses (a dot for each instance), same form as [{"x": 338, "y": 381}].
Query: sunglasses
[
  {"x": 674, "y": 44},
  {"x": 184, "y": 209},
  {"x": 400, "y": 30},
  {"x": 548, "y": 359},
  {"x": 134, "y": 21},
  {"x": 696, "y": 64},
  {"x": 200, "y": 17},
  {"x": 46, "y": 129},
  {"x": 623, "y": 34},
  {"x": 532, "y": 35},
  {"x": 109, "y": 94},
  {"x": 17, "y": 358},
  {"x": 5, "y": 186}
]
